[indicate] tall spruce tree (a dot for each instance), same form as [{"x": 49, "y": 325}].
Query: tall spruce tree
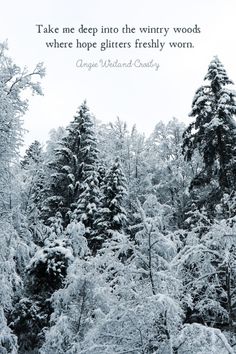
[
  {"x": 32, "y": 154},
  {"x": 213, "y": 133},
  {"x": 75, "y": 159}
]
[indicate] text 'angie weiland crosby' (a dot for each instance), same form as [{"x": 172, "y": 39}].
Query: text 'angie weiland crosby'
[{"x": 116, "y": 64}]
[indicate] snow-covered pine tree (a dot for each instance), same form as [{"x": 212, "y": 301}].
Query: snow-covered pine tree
[
  {"x": 75, "y": 159},
  {"x": 213, "y": 134},
  {"x": 88, "y": 207},
  {"x": 32, "y": 154},
  {"x": 112, "y": 214},
  {"x": 87, "y": 149},
  {"x": 115, "y": 140}
]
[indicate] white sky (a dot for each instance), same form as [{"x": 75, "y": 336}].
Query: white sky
[{"x": 141, "y": 96}]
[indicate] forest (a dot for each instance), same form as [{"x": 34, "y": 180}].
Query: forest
[{"x": 114, "y": 242}]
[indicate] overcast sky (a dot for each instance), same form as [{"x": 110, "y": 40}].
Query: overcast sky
[{"x": 141, "y": 96}]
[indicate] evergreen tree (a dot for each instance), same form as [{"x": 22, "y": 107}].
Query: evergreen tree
[
  {"x": 88, "y": 208},
  {"x": 75, "y": 160},
  {"x": 32, "y": 154},
  {"x": 112, "y": 214},
  {"x": 213, "y": 133}
]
